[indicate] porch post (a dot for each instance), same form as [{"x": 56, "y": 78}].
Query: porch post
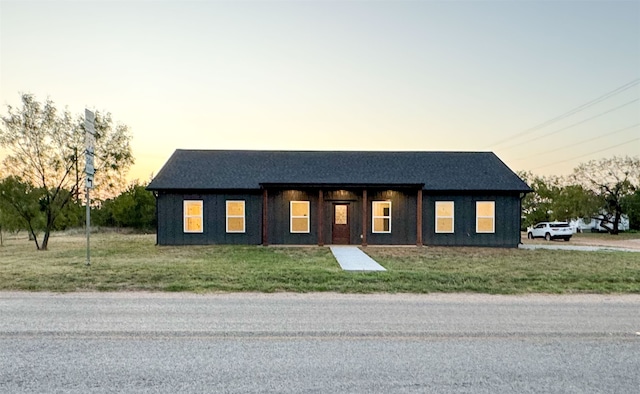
[
  {"x": 419, "y": 219},
  {"x": 364, "y": 217},
  {"x": 320, "y": 204},
  {"x": 265, "y": 224}
]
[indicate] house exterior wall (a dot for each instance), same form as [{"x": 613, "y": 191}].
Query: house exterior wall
[
  {"x": 279, "y": 214},
  {"x": 171, "y": 226},
  {"x": 403, "y": 218},
  {"x": 507, "y": 220}
]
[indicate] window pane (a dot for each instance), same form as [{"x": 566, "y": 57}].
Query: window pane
[
  {"x": 381, "y": 225},
  {"x": 299, "y": 208},
  {"x": 485, "y": 225},
  {"x": 485, "y": 208},
  {"x": 194, "y": 208},
  {"x": 300, "y": 225},
  {"x": 235, "y": 208},
  {"x": 235, "y": 225},
  {"x": 381, "y": 208},
  {"x": 194, "y": 224},
  {"x": 444, "y": 225},
  {"x": 378, "y": 225},
  {"x": 341, "y": 214},
  {"x": 444, "y": 208}
]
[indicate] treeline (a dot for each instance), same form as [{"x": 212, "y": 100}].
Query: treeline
[
  {"x": 23, "y": 207},
  {"x": 605, "y": 190}
]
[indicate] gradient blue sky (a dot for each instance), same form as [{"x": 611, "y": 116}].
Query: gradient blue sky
[{"x": 334, "y": 75}]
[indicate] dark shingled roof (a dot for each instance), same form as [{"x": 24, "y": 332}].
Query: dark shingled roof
[{"x": 245, "y": 169}]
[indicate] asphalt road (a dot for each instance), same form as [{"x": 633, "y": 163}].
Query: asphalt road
[{"x": 318, "y": 343}]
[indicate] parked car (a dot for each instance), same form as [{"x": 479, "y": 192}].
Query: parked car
[{"x": 550, "y": 230}]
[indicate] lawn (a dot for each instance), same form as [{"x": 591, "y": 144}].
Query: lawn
[{"x": 134, "y": 263}]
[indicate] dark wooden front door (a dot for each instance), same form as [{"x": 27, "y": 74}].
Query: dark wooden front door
[{"x": 340, "y": 232}]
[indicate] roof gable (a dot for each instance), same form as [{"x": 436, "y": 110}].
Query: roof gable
[{"x": 245, "y": 169}]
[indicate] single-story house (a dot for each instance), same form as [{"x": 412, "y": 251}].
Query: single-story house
[{"x": 337, "y": 197}]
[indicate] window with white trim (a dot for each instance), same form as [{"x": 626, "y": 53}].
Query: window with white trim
[
  {"x": 444, "y": 216},
  {"x": 299, "y": 217},
  {"x": 485, "y": 216},
  {"x": 381, "y": 216},
  {"x": 235, "y": 216},
  {"x": 192, "y": 216}
]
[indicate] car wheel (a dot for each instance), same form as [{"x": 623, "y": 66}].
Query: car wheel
[
  {"x": 547, "y": 236},
  {"x": 567, "y": 239},
  {"x": 530, "y": 235}
]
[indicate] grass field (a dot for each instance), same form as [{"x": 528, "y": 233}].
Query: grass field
[{"x": 133, "y": 263}]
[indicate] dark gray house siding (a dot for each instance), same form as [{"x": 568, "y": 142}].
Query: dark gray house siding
[
  {"x": 507, "y": 220},
  {"x": 171, "y": 225},
  {"x": 279, "y": 214},
  {"x": 403, "y": 218},
  {"x": 269, "y": 180}
]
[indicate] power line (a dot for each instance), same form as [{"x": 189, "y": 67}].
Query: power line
[
  {"x": 573, "y": 125},
  {"x": 582, "y": 107},
  {"x": 581, "y": 142},
  {"x": 587, "y": 154}
]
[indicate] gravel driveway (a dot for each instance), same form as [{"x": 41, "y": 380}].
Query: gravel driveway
[{"x": 583, "y": 244}]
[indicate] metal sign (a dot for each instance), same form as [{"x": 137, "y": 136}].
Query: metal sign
[{"x": 89, "y": 143}]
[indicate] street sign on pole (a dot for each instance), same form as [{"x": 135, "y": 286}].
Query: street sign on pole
[
  {"x": 89, "y": 170},
  {"x": 89, "y": 143}
]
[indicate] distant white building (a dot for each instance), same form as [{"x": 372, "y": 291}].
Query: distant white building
[{"x": 595, "y": 224}]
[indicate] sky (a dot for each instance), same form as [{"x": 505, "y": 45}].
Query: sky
[{"x": 546, "y": 85}]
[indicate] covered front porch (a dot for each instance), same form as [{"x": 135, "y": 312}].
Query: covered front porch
[{"x": 342, "y": 214}]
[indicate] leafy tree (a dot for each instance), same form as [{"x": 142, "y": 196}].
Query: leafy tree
[
  {"x": 133, "y": 208},
  {"x": 46, "y": 148},
  {"x": 72, "y": 215},
  {"x": 536, "y": 206},
  {"x": 573, "y": 202},
  {"x": 554, "y": 198},
  {"x": 20, "y": 206},
  {"x": 9, "y": 219},
  {"x": 611, "y": 181},
  {"x": 631, "y": 205}
]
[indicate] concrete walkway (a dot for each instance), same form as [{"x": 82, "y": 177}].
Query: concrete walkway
[{"x": 351, "y": 258}]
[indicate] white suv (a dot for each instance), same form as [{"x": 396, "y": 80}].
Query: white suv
[{"x": 550, "y": 230}]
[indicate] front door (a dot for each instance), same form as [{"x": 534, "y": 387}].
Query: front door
[{"x": 340, "y": 233}]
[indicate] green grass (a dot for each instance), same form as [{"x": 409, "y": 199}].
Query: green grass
[{"x": 134, "y": 263}]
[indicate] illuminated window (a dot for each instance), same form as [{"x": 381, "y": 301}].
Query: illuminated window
[
  {"x": 192, "y": 216},
  {"x": 381, "y": 216},
  {"x": 299, "y": 216},
  {"x": 485, "y": 216},
  {"x": 444, "y": 216},
  {"x": 235, "y": 216},
  {"x": 340, "y": 214}
]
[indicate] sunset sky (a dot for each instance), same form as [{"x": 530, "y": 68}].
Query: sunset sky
[{"x": 339, "y": 75}]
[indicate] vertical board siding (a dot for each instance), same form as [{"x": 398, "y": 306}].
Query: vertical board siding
[
  {"x": 507, "y": 220},
  {"x": 279, "y": 217},
  {"x": 170, "y": 219},
  {"x": 403, "y": 218}
]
